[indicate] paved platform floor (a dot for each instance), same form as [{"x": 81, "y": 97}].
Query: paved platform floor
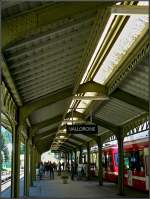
[{"x": 55, "y": 189}]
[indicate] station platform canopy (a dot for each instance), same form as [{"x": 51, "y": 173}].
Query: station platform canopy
[{"x": 75, "y": 63}]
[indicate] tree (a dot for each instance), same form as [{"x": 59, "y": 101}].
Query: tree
[
  {"x": 4, "y": 154},
  {"x": 3, "y": 150}
]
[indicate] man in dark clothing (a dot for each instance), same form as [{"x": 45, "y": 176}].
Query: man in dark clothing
[
  {"x": 72, "y": 171},
  {"x": 51, "y": 171}
]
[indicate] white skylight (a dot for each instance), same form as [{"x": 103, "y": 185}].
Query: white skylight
[
  {"x": 131, "y": 32},
  {"x": 85, "y": 103},
  {"x": 143, "y": 3},
  {"x": 98, "y": 47}
]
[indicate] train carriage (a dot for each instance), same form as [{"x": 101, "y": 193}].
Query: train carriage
[{"x": 136, "y": 163}]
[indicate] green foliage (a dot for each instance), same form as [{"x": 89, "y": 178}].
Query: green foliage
[{"x": 3, "y": 149}]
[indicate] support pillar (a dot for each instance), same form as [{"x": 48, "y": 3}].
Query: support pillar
[
  {"x": 88, "y": 161},
  {"x": 32, "y": 166},
  {"x": 100, "y": 166},
  {"x": 16, "y": 161},
  {"x": 121, "y": 163},
  {"x": 27, "y": 175}
]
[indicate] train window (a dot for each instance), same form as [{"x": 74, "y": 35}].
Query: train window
[
  {"x": 126, "y": 162},
  {"x": 103, "y": 160},
  {"x": 109, "y": 161},
  {"x": 116, "y": 159},
  {"x": 134, "y": 161}
]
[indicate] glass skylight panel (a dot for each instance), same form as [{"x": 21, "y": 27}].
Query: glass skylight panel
[
  {"x": 85, "y": 103},
  {"x": 143, "y": 3},
  {"x": 98, "y": 47},
  {"x": 131, "y": 32}
]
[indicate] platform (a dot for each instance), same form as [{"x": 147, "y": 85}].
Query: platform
[{"x": 55, "y": 189}]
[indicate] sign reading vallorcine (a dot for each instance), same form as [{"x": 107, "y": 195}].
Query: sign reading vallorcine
[{"x": 82, "y": 128}]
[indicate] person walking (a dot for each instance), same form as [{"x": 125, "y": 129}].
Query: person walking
[
  {"x": 51, "y": 171},
  {"x": 72, "y": 170},
  {"x": 41, "y": 170}
]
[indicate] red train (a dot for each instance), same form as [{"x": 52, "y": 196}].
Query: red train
[{"x": 136, "y": 162}]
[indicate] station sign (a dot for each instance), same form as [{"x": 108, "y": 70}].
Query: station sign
[{"x": 82, "y": 129}]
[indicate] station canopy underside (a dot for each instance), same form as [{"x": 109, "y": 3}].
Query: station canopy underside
[{"x": 67, "y": 62}]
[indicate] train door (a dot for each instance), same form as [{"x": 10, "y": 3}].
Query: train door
[{"x": 147, "y": 159}]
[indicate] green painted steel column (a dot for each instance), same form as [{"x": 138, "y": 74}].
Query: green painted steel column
[
  {"x": 121, "y": 164},
  {"x": 16, "y": 173},
  {"x": 88, "y": 161},
  {"x": 27, "y": 175},
  {"x": 100, "y": 166},
  {"x": 32, "y": 165}
]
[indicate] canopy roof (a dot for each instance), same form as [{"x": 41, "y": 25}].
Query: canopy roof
[{"x": 76, "y": 60}]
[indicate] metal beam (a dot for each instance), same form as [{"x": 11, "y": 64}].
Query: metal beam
[
  {"x": 43, "y": 141},
  {"x": 130, "y": 99},
  {"x": 46, "y": 133},
  {"x": 90, "y": 98},
  {"x": 70, "y": 142},
  {"x": 10, "y": 82},
  {"x": 65, "y": 36},
  {"x": 74, "y": 114},
  {"x": 67, "y": 147},
  {"x": 30, "y": 107},
  {"x": 65, "y": 62},
  {"x": 93, "y": 137},
  {"x": 105, "y": 124},
  {"x": 63, "y": 149},
  {"x": 18, "y": 26},
  {"x": 48, "y": 122},
  {"x": 46, "y": 137},
  {"x": 49, "y": 59},
  {"x": 92, "y": 86},
  {"x": 78, "y": 139},
  {"x": 129, "y": 10}
]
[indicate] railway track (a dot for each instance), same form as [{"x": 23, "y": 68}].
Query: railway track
[{"x": 6, "y": 183}]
